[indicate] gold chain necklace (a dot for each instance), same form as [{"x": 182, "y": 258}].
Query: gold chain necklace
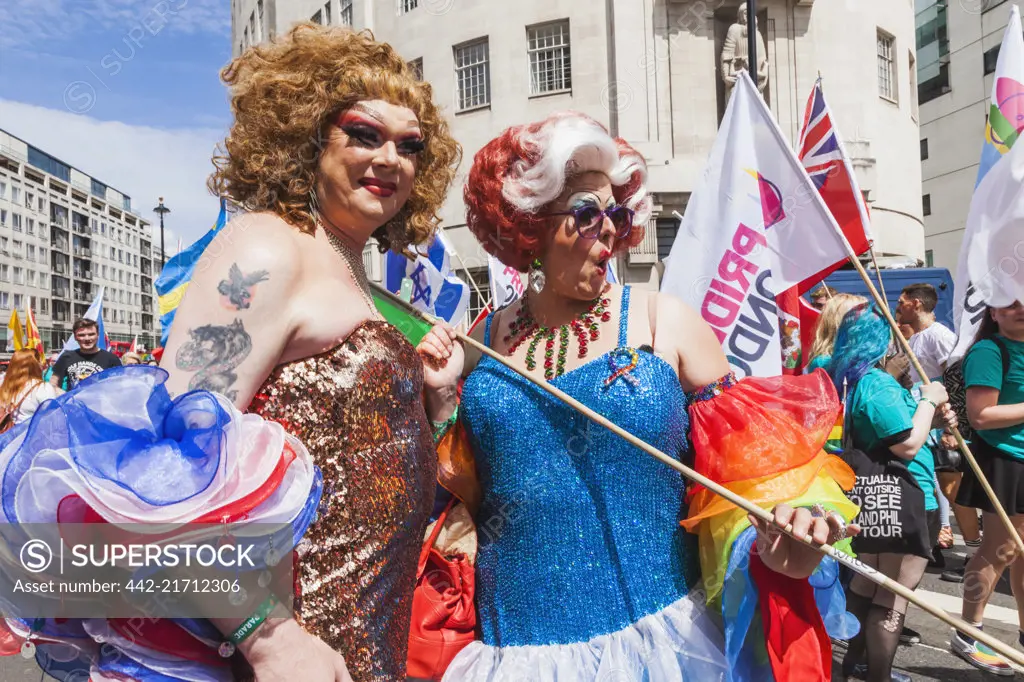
[{"x": 355, "y": 267}]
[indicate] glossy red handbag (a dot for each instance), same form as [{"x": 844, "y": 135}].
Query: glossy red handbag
[{"x": 443, "y": 614}]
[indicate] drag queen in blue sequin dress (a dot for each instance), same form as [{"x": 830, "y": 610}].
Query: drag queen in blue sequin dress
[{"x": 584, "y": 571}]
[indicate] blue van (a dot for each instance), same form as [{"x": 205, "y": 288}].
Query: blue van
[{"x": 849, "y": 281}]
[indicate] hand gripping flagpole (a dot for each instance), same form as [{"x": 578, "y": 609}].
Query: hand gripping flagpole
[
  {"x": 961, "y": 443},
  {"x": 905, "y": 345},
  {"x": 863, "y": 569}
]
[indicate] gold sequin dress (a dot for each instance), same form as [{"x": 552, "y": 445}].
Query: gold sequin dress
[{"x": 358, "y": 409}]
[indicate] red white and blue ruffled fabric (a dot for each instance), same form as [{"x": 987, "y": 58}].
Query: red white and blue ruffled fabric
[{"x": 119, "y": 450}]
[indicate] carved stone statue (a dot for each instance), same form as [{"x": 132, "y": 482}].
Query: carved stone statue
[{"x": 735, "y": 54}]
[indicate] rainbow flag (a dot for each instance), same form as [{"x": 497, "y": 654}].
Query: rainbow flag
[
  {"x": 1004, "y": 125},
  {"x": 177, "y": 273}
]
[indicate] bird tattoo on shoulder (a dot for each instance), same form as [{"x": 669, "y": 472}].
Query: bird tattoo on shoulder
[{"x": 237, "y": 289}]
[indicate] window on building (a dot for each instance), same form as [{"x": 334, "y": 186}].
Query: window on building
[
  {"x": 44, "y": 306},
  {"x": 327, "y": 13},
  {"x": 886, "y": 66},
  {"x": 3, "y": 190},
  {"x": 19, "y": 301},
  {"x": 3, "y": 218},
  {"x": 5, "y": 273},
  {"x": 103, "y": 229},
  {"x": 317, "y": 18},
  {"x": 990, "y": 59},
  {"x": 416, "y": 67},
  {"x": 19, "y": 275},
  {"x": 926, "y": 204},
  {"x": 5, "y": 300},
  {"x": 42, "y": 205},
  {"x": 16, "y": 222},
  {"x": 30, "y": 200},
  {"x": 472, "y": 75},
  {"x": 929, "y": 259},
  {"x": 15, "y": 195},
  {"x": 550, "y": 65},
  {"x": 924, "y": 148},
  {"x": 113, "y": 253},
  {"x": 32, "y": 278},
  {"x": 30, "y": 227},
  {"x": 665, "y": 229},
  {"x": 345, "y": 17},
  {"x": 405, "y": 6},
  {"x": 30, "y": 252}
]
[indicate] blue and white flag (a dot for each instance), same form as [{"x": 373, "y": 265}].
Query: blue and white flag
[
  {"x": 95, "y": 312},
  {"x": 435, "y": 290}
]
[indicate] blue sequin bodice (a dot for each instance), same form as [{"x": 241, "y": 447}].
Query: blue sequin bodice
[{"x": 578, "y": 531}]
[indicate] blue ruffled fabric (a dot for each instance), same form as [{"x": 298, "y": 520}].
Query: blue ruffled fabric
[
  {"x": 121, "y": 429},
  {"x": 744, "y": 636}
]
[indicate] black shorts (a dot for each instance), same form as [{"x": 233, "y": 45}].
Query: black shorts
[
  {"x": 1004, "y": 473},
  {"x": 934, "y": 523}
]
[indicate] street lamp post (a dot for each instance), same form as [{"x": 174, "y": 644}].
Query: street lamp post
[{"x": 161, "y": 209}]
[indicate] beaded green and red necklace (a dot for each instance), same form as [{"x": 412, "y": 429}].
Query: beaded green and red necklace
[{"x": 585, "y": 328}]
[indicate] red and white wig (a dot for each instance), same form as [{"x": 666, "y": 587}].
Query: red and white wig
[{"x": 517, "y": 175}]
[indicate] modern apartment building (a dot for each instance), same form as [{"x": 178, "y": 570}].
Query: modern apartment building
[
  {"x": 63, "y": 236},
  {"x": 651, "y": 71},
  {"x": 958, "y": 45}
]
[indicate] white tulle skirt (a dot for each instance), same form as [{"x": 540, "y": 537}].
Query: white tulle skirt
[{"x": 677, "y": 644}]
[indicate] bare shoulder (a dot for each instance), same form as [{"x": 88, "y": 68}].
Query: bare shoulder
[
  {"x": 257, "y": 240},
  {"x": 681, "y": 332}
]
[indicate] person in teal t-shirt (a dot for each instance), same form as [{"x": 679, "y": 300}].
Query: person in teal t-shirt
[
  {"x": 881, "y": 413},
  {"x": 883, "y": 417},
  {"x": 994, "y": 378},
  {"x": 983, "y": 368}
]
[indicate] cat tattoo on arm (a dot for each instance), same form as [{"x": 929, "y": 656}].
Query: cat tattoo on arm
[
  {"x": 213, "y": 352},
  {"x": 237, "y": 289}
]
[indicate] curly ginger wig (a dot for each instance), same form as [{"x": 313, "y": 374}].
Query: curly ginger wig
[
  {"x": 519, "y": 173},
  {"x": 285, "y": 93}
]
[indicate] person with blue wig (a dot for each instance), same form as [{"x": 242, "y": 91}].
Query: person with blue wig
[{"x": 888, "y": 425}]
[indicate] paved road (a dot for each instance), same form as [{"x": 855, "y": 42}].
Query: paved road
[
  {"x": 931, "y": 660},
  {"x": 925, "y": 662}
]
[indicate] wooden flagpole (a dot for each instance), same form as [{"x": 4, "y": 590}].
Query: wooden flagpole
[{"x": 863, "y": 569}]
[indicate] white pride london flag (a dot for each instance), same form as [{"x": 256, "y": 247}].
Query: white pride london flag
[{"x": 755, "y": 225}]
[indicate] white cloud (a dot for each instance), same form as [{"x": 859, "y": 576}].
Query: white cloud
[
  {"x": 40, "y": 22},
  {"x": 144, "y": 163}
]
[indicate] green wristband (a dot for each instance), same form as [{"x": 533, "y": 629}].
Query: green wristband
[
  {"x": 250, "y": 624},
  {"x": 441, "y": 428},
  {"x": 932, "y": 403}
]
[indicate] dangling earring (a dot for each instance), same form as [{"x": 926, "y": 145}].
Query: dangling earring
[{"x": 537, "y": 278}]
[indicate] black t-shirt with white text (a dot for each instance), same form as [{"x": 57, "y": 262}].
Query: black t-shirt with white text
[{"x": 77, "y": 366}]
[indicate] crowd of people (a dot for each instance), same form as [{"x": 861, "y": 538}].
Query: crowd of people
[{"x": 576, "y": 556}]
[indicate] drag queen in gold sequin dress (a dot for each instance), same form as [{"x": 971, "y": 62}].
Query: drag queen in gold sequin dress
[{"x": 334, "y": 141}]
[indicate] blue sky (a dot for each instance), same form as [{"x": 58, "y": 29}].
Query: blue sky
[{"x": 125, "y": 90}]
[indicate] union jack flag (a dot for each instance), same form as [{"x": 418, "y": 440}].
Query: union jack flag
[
  {"x": 819, "y": 146},
  {"x": 822, "y": 154}
]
